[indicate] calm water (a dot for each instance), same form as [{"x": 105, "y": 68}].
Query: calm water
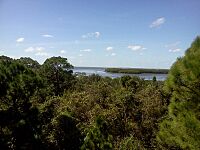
[{"x": 101, "y": 72}]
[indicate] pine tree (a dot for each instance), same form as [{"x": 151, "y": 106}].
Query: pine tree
[{"x": 181, "y": 128}]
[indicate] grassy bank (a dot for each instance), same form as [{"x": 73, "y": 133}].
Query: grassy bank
[{"x": 136, "y": 70}]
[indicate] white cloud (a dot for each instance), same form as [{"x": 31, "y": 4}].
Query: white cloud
[
  {"x": 174, "y": 50},
  {"x": 20, "y": 40},
  {"x": 29, "y": 49},
  {"x": 39, "y": 49},
  {"x": 41, "y": 54},
  {"x": 86, "y": 50},
  {"x": 62, "y": 51},
  {"x": 47, "y": 35},
  {"x": 113, "y": 54},
  {"x": 34, "y": 49},
  {"x": 173, "y": 47},
  {"x": 80, "y": 55},
  {"x": 109, "y": 48},
  {"x": 97, "y": 34},
  {"x": 136, "y": 47},
  {"x": 91, "y": 35},
  {"x": 157, "y": 22}
]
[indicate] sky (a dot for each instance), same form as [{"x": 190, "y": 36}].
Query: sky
[{"x": 99, "y": 33}]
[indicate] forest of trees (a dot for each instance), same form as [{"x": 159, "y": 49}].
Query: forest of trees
[{"x": 48, "y": 107}]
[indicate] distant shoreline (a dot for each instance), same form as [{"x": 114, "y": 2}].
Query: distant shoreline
[{"x": 136, "y": 70}]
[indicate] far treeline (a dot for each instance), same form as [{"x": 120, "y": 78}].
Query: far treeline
[
  {"x": 136, "y": 70},
  {"x": 47, "y": 107}
]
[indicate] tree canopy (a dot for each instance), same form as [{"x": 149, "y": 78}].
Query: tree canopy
[
  {"x": 58, "y": 73},
  {"x": 181, "y": 128},
  {"x": 48, "y": 107},
  {"x": 28, "y": 62}
]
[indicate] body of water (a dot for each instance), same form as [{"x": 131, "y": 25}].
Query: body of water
[{"x": 101, "y": 71}]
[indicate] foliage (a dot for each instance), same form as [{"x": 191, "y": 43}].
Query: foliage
[
  {"x": 29, "y": 63},
  {"x": 18, "y": 84},
  {"x": 98, "y": 137},
  {"x": 136, "y": 70},
  {"x": 58, "y": 74},
  {"x": 181, "y": 128},
  {"x": 48, "y": 107},
  {"x": 131, "y": 144}
]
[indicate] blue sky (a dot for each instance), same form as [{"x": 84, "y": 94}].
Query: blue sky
[{"x": 106, "y": 33}]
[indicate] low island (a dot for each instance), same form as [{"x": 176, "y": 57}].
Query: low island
[{"x": 136, "y": 70}]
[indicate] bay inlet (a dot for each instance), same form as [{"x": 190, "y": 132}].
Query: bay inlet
[{"x": 102, "y": 72}]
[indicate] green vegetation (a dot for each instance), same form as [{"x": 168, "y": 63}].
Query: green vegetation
[
  {"x": 136, "y": 70},
  {"x": 181, "y": 128},
  {"x": 47, "y": 107}
]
